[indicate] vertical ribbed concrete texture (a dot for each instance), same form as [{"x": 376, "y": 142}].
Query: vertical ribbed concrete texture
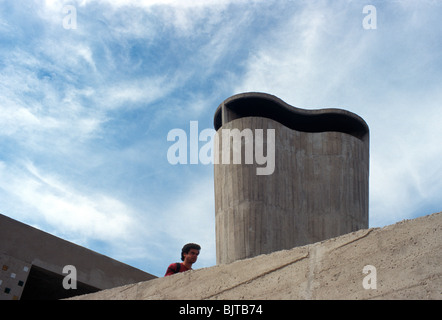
[{"x": 319, "y": 186}]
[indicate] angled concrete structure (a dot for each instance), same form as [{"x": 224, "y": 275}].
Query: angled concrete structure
[
  {"x": 317, "y": 190},
  {"x": 32, "y": 263},
  {"x": 399, "y": 261}
]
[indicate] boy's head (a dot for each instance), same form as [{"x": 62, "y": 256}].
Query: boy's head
[{"x": 188, "y": 247}]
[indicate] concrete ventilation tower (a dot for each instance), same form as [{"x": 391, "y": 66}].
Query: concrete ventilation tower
[{"x": 318, "y": 188}]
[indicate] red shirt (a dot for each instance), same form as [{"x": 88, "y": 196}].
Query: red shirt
[{"x": 173, "y": 268}]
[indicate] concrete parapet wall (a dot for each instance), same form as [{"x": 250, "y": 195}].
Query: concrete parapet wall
[{"x": 406, "y": 257}]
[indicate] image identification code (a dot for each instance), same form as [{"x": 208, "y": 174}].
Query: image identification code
[{"x": 228, "y": 309}]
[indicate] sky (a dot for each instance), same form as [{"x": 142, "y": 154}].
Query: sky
[{"x": 90, "y": 89}]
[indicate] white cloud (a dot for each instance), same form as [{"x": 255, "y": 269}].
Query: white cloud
[
  {"x": 72, "y": 213},
  {"x": 190, "y": 218},
  {"x": 405, "y": 156},
  {"x": 301, "y": 61},
  {"x": 322, "y": 58},
  {"x": 15, "y": 118},
  {"x": 173, "y": 3},
  {"x": 141, "y": 91}
]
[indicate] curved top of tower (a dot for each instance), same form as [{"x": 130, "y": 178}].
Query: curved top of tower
[{"x": 257, "y": 104}]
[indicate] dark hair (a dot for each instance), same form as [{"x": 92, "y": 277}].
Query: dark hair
[{"x": 187, "y": 248}]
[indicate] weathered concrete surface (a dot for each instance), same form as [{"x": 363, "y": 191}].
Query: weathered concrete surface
[
  {"x": 312, "y": 185},
  {"x": 407, "y": 257},
  {"x": 318, "y": 190}
]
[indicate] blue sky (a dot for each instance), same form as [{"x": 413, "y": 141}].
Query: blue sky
[{"x": 85, "y": 112}]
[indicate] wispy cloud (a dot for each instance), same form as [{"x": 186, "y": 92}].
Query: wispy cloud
[
  {"x": 322, "y": 57},
  {"x": 66, "y": 209},
  {"x": 85, "y": 113}
]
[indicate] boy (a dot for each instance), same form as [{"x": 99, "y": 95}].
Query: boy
[{"x": 189, "y": 255}]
